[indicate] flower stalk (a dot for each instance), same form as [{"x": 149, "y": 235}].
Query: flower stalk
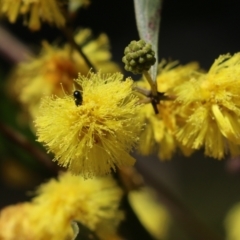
[
  {"x": 181, "y": 214},
  {"x": 69, "y": 36},
  {"x": 22, "y": 141}
]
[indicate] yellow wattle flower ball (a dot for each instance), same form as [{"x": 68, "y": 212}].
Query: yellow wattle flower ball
[
  {"x": 211, "y": 103},
  {"x": 159, "y": 133},
  {"x": 93, "y": 203},
  {"x": 97, "y": 134},
  {"x": 37, "y": 10},
  {"x": 56, "y": 67},
  {"x": 171, "y": 74},
  {"x": 13, "y": 219}
]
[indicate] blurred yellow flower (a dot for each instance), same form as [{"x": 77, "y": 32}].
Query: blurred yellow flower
[
  {"x": 44, "y": 76},
  {"x": 232, "y": 223},
  {"x": 13, "y": 220},
  {"x": 97, "y": 135},
  {"x": 156, "y": 219},
  {"x": 56, "y": 68},
  {"x": 94, "y": 203},
  {"x": 160, "y": 128},
  {"x": 37, "y": 10},
  {"x": 211, "y": 102},
  {"x": 159, "y": 133},
  {"x": 171, "y": 74}
]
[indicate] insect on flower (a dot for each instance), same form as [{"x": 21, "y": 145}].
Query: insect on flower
[
  {"x": 77, "y": 97},
  {"x": 104, "y": 128}
]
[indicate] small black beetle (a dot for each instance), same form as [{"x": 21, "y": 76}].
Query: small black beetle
[{"x": 77, "y": 97}]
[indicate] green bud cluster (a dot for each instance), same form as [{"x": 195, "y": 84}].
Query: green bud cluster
[{"x": 138, "y": 57}]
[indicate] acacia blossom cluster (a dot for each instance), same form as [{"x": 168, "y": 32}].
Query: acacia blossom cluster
[
  {"x": 94, "y": 203},
  {"x": 96, "y": 135},
  {"x": 37, "y": 11},
  {"x": 202, "y": 110}
]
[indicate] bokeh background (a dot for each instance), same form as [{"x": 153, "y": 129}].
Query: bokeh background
[{"x": 198, "y": 30}]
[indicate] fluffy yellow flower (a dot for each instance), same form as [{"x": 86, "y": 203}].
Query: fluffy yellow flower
[
  {"x": 96, "y": 136},
  {"x": 94, "y": 203},
  {"x": 211, "y": 102},
  {"x": 171, "y": 74},
  {"x": 12, "y": 221},
  {"x": 35, "y": 11},
  {"x": 232, "y": 223},
  {"x": 159, "y": 133},
  {"x": 44, "y": 74},
  {"x": 160, "y": 128},
  {"x": 45, "y": 10}
]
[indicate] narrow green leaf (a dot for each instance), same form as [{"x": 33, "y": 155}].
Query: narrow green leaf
[
  {"x": 81, "y": 232},
  {"x": 148, "y": 23},
  {"x": 75, "y": 230}
]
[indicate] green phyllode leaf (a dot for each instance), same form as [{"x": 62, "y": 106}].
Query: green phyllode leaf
[
  {"x": 81, "y": 232},
  {"x": 148, "y": 25}
]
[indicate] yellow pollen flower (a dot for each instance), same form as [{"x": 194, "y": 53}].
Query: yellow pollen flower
[
  {"x": 93, "y": 203},
  {"x": 171, "y": 74},
  {"x": 37, "y": 10},
  {"x": 160, "y": 128},
  {"x": 43, "y": 76},
  {"x": 211, "y": 102},
  {"x": 97, "y": 135},
  {"x": 12, "y": 222},
  {"x": 56, "y": 67}
]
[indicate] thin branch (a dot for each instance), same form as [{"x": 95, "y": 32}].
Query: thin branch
[
  {"x": 17, "y": 138},
  {"x": 131, "y": 228},
  {"x": 12, "y": 48},
  {"x": 151, "y": 98},
  {"x": 15, "y": 51},
  {"x": 192, "y": 225},
  {"x": 69, "y": 35}
]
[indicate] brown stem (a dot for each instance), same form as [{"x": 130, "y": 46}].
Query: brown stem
[
  {"x": 131, "y": 228},
  {"x": 69, "y": 35},
  {"x": 179, "y": 211},
  {"x": 23, "y": 142},
  {"x": 12, "y": 48}
]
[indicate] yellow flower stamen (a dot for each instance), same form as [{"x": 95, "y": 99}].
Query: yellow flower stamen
[{"x": 95, "y": 137}]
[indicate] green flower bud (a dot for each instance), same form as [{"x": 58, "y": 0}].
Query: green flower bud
[{"x": 138, "y": 57}]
